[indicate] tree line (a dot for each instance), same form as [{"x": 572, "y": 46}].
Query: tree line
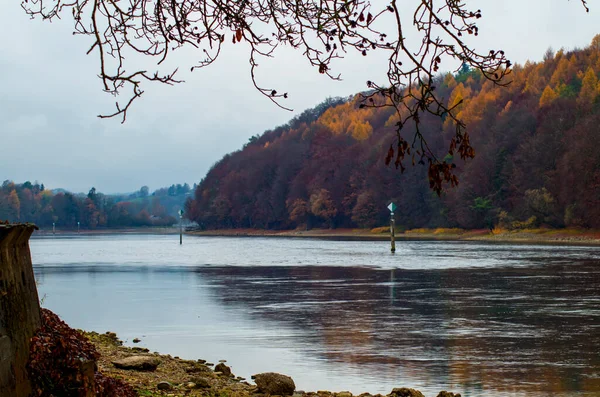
[
  {"x": 537, "y": 159},
  {"x": 32, "y": 202}
]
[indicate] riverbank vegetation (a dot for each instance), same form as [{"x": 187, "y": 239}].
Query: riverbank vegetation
[
  {"x": 32, "y": 202},
  {"x": 530, "y": 236},
  {"x": 537, "y": 162}
]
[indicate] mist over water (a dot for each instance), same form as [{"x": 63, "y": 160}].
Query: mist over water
[{"x": 476, "y": 318}]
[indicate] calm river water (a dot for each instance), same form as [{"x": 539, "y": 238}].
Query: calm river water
[{"x": 475, "y": 318}]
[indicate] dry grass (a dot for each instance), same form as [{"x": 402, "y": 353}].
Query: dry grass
[
  {"x": 421, "y": 230},
  {"x": 446, "y": 230},
  {"x": 497, "y": 230},
  {"x": 380, "y": 230}
]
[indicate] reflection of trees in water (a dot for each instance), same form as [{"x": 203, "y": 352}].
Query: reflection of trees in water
[{"x": 512, "y": 329}]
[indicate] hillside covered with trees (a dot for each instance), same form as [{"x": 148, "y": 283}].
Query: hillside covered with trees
[
  {"x": 32, "y": 202},
  {"x": 537, "y": 160}
]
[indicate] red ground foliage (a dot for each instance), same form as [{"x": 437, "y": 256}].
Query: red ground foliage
[{"x": 57, "y": 352}]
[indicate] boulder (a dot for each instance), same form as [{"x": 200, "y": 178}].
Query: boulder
[
  {"x": 196, "y": 368},
  {"x": 224, "y": 369},
  {"x": 138, "y": 363},
  {"x": 405, "y": 392},
  {"x": 343, "y": 394},
  {"x": 164, "y": 386},
  {"x": 275, "y": 384},
  {"x": 140, "y": 349},
  {"x": 445, "y": 393},
  {"x": 202, "y": 383}
]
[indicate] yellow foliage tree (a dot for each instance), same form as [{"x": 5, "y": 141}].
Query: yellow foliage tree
[
  {"x": 360, "y": 130},
  {"x": 589, "y": 89},
  {"x": 450, "y": 81},
  {"x": 548, "y": 96},
  {"x": 565, "y": 71},
  {"x": 14, "y": 204},
  {"x": 595, "y": 45},
  {"x": 349, "y": 119},
  {"x": 535, "y": 80}
]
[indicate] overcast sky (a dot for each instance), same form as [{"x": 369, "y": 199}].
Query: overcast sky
[{"x": 51, "y": 96}]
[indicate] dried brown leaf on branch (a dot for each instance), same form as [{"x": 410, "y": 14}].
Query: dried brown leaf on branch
[{"x": 322, "y": 31}]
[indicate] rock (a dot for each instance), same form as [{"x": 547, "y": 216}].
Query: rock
[
  {"x": 445, "y": 393},
  {"x": 406, "y": 392},
  {"x": 224, "y": 369},
  {"x": 222, "y": 361},
  {"x": 202, "y": 383},
  {"x": 273, "y": 383},
  {"x": 139, "y": 363},
  {"x": 164, "y": 386},
  {"x": 140, "y": 349},
  {"x": 136, "y": 340},
  {"x": 195, "y": 368},
  {"x": 343, "y": 394},
  {"x": 201, "y": 361},
  {"x": 190, "y": 385}
]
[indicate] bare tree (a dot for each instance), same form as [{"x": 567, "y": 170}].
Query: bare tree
[{"x": 322, "y": 29}]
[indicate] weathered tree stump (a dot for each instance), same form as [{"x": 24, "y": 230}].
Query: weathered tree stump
[{"x": 19, "y": 308}]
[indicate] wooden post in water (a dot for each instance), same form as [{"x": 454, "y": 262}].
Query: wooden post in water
[
  {"x": 180, "y": 227},
  {"x": 392, "y": 233},
  {"x": 392, "y": 208}
]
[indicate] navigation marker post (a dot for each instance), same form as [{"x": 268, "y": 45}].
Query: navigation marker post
[
  {"x": 392, "y": 207},
  {"x": 180, "y": 227}
]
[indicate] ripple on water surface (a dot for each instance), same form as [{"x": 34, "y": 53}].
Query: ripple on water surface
[{"x": 480, "y": 319}]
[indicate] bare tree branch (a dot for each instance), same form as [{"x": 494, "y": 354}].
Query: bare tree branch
[{"x": 322, "y": 30}]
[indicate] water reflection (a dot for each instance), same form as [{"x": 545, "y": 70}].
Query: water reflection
[
  {"x": 483, "y": 320},
  {"x": 528, "y": 330}
]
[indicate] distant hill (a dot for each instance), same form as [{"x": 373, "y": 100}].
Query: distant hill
[{"x": 537, "y": 161}]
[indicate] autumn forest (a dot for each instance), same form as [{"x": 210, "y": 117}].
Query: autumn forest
[
  {"x": 537, "y": 159},
  {"x": 537, "y": 164},
  {"x": 32, "y": 202}
]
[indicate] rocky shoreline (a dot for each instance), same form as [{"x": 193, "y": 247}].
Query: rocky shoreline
[{"x": 152, "y": 375}]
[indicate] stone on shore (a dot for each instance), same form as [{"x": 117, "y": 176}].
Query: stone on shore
[
  {"x": 202, "y": 383},
  {"x": 274, "y": 384},
  {"x": 445, "y": 393},
  {"x": 406, "y": 392},
  {"x": 164, "y": 386},
  {"x": 343, "y": 394},
  {"x": 223, "y": 369},
  {"x": 138, "y": 363}
]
